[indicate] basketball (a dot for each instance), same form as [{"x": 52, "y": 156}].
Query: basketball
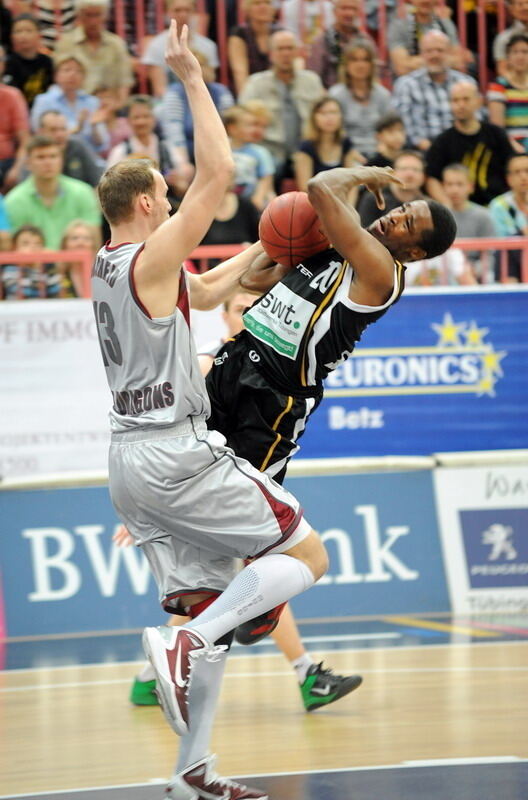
[{"x": 290, "y": 230}]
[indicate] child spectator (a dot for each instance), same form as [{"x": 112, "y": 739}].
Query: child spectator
[
  {"x": 27, "y": 68},
  {"x": 473, "y": 221},
  {"x": 28, "y": 281},
  {"x": 390, "y": 136},
  {"x": 509, "y": 211},
  {"x": 262, "y": 117},
  {"x": 78, "y": 235},
  {"x": 144, "y": 143},
  {"x": 254, "y": 167}
]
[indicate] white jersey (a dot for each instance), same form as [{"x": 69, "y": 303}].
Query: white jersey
[{"x": 151, "y": 364}]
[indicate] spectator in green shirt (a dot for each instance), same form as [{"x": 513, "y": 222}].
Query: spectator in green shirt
[{"x": 47, "y": 198}]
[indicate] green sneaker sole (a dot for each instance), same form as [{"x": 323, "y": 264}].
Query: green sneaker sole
[
  {"x": 143, "y": 693},
  {"x": 314, "y": 701}
]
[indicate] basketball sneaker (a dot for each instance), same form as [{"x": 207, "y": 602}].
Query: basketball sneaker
[
  {"x": 200, "y": 782},
  {"x": 143, "y": 693},
  {"x": 256, "y": 629},
  {"x": 322, "y": 687},
  {"x": 171, "y": 651}
]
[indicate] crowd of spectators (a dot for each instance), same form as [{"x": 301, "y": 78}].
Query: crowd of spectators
[{"x": 304, "y": 89}]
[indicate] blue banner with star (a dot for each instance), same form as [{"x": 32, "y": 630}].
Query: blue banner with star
[{"x": 444, "y": 370}]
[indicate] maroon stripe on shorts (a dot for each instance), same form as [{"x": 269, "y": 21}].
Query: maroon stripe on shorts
[{"x": 287, "y": 518}]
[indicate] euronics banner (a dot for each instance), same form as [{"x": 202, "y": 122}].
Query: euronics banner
[
  {"x": 61, "y": 572},
  {"x": 443, "y": 370},
  {"x": 483, "y": 516}
]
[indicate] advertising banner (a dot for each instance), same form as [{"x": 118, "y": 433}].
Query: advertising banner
[
  {"x": 444, "y": 370},
  {"x": 54, "y": 399},
  {"x": 61, "y": 572},
  {"x": 483, "y": 517}
]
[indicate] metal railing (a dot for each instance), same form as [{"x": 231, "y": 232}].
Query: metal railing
[
  {"x": 40, "y": 259},
  {"x": 493, "y": 255}
]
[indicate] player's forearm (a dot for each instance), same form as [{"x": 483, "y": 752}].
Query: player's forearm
[
  {"x": 339, "y": 181},
  {"x": 215, "y": 286},
  {"x": 262, "y": 274},
  {"x": 331, "y": 188},
  {"x": 212, "y": 151}
]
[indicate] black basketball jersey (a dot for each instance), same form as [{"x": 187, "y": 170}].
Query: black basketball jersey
[{"x": 306, "y": 325}]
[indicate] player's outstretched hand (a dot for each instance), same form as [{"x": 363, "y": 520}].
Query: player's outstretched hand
[
  {"x": 375, "y": 178},
  {"x": 178, "y": 56},
  {"x": 122, "y": 537}
]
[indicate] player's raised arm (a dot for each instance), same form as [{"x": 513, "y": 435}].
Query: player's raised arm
[
  {"x": 373, "y": 264},
  {"x": 174, "y": 240}
]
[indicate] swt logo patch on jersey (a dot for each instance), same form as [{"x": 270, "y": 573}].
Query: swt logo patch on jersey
[{"x": 280, "y": 320}]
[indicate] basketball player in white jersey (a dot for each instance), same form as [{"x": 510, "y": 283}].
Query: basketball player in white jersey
[{"x": 188, "y": 501}]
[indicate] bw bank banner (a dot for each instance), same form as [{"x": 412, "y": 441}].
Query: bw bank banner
[
  {"x": 444, "y": 370},
  {"x": 62, "y": 573}
]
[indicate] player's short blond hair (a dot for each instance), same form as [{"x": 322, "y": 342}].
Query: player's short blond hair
[{"x": 121, "y": 184}]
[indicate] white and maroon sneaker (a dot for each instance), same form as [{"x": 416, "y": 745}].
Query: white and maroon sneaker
[
  {"x": 172, "y": 651},
  {"x": 200, "y": 782}
]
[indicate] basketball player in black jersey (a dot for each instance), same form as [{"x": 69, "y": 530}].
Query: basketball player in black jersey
[{"x": 266, "y": 382}]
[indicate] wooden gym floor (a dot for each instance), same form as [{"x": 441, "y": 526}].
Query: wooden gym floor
[{"x": 442, "y": 715}]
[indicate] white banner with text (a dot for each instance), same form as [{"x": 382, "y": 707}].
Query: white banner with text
[{"x": 54, "y": 398}]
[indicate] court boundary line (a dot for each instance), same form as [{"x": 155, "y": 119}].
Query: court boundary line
[
  {"x": 396, "y": 649},
  {"x": 448, "y": 762},
  {"x": 301, "y": 621}
]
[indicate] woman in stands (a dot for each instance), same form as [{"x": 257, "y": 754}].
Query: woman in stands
[
  {"x": 326, "y": 145},
  {"x": 363, "y": 99},
  {"x": 248, "y": 44}
]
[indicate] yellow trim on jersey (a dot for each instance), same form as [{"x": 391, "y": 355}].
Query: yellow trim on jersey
[
  {"x": 400, "y": 272},
  {"x": 278, "y": 437},
  {"x": 317, "y": 314}
]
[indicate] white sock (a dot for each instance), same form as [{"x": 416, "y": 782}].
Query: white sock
[
  {"x": 262, "y": 585},
  {"x": 147, "y": 673},
  {"x": 203, "y": 699},
  {"x": 301, "y": 666}
]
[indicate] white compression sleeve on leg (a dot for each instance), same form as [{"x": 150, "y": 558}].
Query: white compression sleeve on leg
[{"x": 263, "y": 584}]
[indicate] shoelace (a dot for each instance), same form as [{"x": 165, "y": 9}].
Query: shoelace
[
  {"x": 328, "y": 673},
  {"x": 225, "y": 782},
  {"x": 210, "y": 654}
]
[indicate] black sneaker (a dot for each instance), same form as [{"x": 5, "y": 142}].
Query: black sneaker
[
  {"x": 322, "y": 686},
  {"x": 256, "y": 629}
]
